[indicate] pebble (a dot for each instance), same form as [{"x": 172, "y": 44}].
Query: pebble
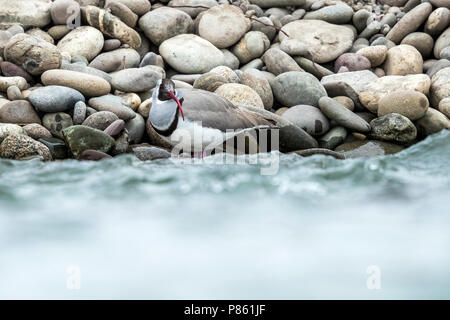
[
  {"x": 93, "y": 155},
  {"x": 18, "y": 112},
  {"x": 410, "y": 22},
  {"x": 278, "y": 62},
  {"x": 55, "y": 98},
  {"x": 393, "y": 127},
  {"x": 309, "y": 118},
  {"x": 358, "y": 80},
  {"x": 122, "y": 12},
  {"x": 375, "y": 54},
  {"x": 152, "y": 59},
  {"x": 256, "y": 80},
  {"x": 339, "y": 13},
  {"x": 278, "y": 3},
  {"x": 115, "y": 128},
  {"x": 100, "y": 120},
  {"x": 402, "y": 60},
  {"x": 433, "y": 122},
  {"x": 210, "y": 81},
  {"x": 240, "y": 94},
  {"x": 371, "y": 95},
  {"x": 188, "y": 53},
  {"x": 36, "y": 131},
  {"x": 32, "y": 54},
  {"x": 63, "y": 11},
  {"x": 19, "y": 147},
  {"x": 136, "y": 129},
  {"x": 83, "y": 41},
  {"x": 437, "y": 66},
  {"x": 325, "y": 41},
  {"x": 139, "y": 7},
  {"x": 437, "y": 21},
  {"x": 344, "y": 117},
  {"x": 352, "y": 61},
  {"x": 13, "y": 93},
  {"x": 80, "y": 138},
  {"x": 113, "y": 104},
  {"x": 79, "y": 112},
  {"x": 251, "y": 46},
  {"x": 422, "y": 41},
  {"x": 145, "y": 153},
  {"x": 7, "y": 129},
  {"x": 88, "y": 85},
  {"x": 165, "y": 23},
  {"x": 368, "y": 148},
  {"x": 11, "y": 70},
  {"x": 440, "y": 86},
  {"x": 56, "y": 123},
  {"x": 233, "y": 25},
  {"x": 295, "y": 88},
  {"x": 33, "y": 13},
  {"x": 409, "y": 103},
  {"x": 333, "y": 138},
  {"x": 137, "y": 79}
]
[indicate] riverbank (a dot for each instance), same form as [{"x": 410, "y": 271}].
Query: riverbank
[{"x": 361, "y": 79}]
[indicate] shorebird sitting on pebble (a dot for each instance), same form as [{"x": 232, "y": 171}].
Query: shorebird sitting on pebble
[{"x": 198, "y": 118}]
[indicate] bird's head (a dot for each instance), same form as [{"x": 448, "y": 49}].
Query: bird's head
[{"x": 166, "y": 91}]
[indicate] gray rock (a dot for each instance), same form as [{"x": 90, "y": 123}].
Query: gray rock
[
  {"x": 100, "y": 120},
  {"x": 309, "y": 118},
  {"x": 393, "y": 127},
  {"x": 145, "y": 153},
  {"x": 136, "y": 129},
  {"x": 278, "y": 62},
  {"x": 113, "y": 104},
  {"x": 341, "y": 115},
  {"x": 251, "y": 46},
  {"x": 333, "y": 138},
  {"x": 433, "y": 122},
  {"x": 257, "y": 81},
  {"x": 57, "y": 122},
  {"x": 79, "y": 112},
  {"x": 81, "y": 138},
  {"x": 137, "y": 79},
  {"x": 294, "y": 88},
  {"x": 57, "y": 147},
  {"x": 278, "y": 3},
  {"x": 30, "y": 13},
  {"x": 152, "y": 59},
  {"x": 54, "y": 98},
  {"x": 84, "y": 41},
  {"x": 338, "y": 14}
]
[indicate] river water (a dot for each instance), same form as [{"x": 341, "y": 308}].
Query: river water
[{"x": 373, "y": 228}]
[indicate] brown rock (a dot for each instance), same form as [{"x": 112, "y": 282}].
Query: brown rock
[{"x": 19, "y": 112}]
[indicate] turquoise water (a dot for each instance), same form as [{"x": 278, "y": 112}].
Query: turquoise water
[{"x": 122, "y": 228}]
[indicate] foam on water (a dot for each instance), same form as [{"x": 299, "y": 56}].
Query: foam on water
[{"x": 165, "y": 230}]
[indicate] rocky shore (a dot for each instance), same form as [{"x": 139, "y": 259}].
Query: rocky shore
[{"x": 360, "y": 78}]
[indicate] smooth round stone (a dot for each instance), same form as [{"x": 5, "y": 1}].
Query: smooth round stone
[
  {"x": 152, "y": 59},
  {"x": 442, "y": 42},
  {"x": 360, "y": 19},
  {"x": 19, "y": 146},
  {"x": 435, "y": 65},
  {"x": 444, "y": 107},
  {"x": 131, "y": 99},
  {"x": 193, "y": 7},
  {"x": 37, "y": 131},
  {"x": 36, "y": 32},
  {"x": 333, "y": 138},
  {"x": 56, "y": 122},
  {"x": 278, "y": 3},
  {"x": 352, "y": 61},
  {"x": 188, "y": 53},
  {"x": 137, "y": 79},
  {"x": 374, "y": 91},
  {"x": 375, "y": 54},
  {"x": 6, "y": 82},
  {"x": 240, "y": 94},
  {"x": 58, "y": 32},
  {"x": 440, "y": 3},
  {"x": 144, "y": 108},
  {"x": 229, "y": 59},
  {"x": 210, "y": 81},
  {"x": 136, "y": 129},
  {"x": 79, "y": 112},
  {"x": 100, "y": 120},
  {"x": 54, "y": 98},
  {"x": 7, "y": 129},
  {"x": 63, "y": 11},
  {"x": 409, "y": 103},
  {"x": 438, "y": 21},
  {"x": 368, "y": 148},
  {"x": 122, "y": 12},
  {"x": 121, "y": 58},
  {"x": 393, "y": 127},
  {"x": 115, "y": 128},
  {"x": 372, "y": 28},
  {"x": 325, "y": 41},
  {"x": 111, "y": 44},
  {"x": 227, "y": 73},
  {"x": 337, "y": 14},
  {"x": 84, "y": 41},
  {"x": 278, "y": 62},
  {"x": 145, "y": 153},
  {"x": 294, "y": 47},
  {"x": 79, "y": 67},
  {"x": 309, "y": 118},
  {"x": 445, "y": 53},
  {"x": 440, "y": 86},
  {"x": 382, "y": 41},
  {"x": 433, "y": 122},
  {"x": 402, "y": 60},
  {"x": 165, "y": 23},
  {"x": 251, "y": 46},
  {"x": 410, "y": 22},
  {"x": 266, "y": 26},
  {"x": 139, "y": 7},
  {"x": 113, "y": 104},
  {"x": 88, "y": 85},
  {"x": 341, "y": 115},
  {"x": 346, "y": 102},
  {"x": 423, "y": 42},
  {"x": 19, "y": 112},
  {"x": 11, "y": 70},
  {"x": 258, "y": 82},
  {"x": 13, "y": 93},
  {"x": 32, "y": 54},
  {"x": 233, "y": 25},
  {"x": 295, "y": 88},
  {"x": 81, "y": 138}
]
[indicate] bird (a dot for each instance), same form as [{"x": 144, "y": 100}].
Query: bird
[{"x": 195, "y": 120}]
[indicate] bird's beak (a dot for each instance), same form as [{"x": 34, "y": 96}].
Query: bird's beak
[{"x": 174, "y": 98}]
